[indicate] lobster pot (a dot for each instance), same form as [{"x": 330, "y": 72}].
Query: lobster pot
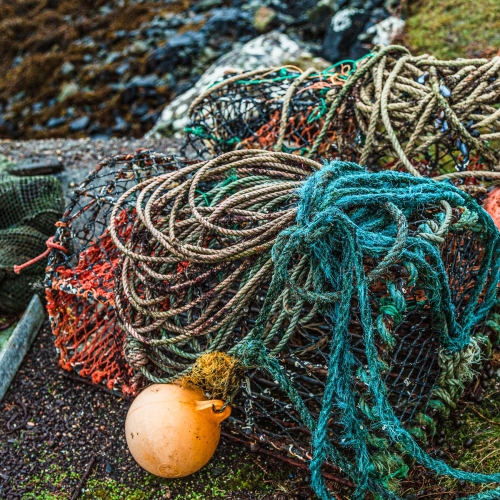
[
  {"x": 421, "y": 385},
  {"x": 79, "y": 280},
  {"x": 388, "y": 110},
  {"x": 201, "y": 260}
]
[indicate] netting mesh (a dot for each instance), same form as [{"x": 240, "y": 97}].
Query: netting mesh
[
  {"x": 387, "y": 111},
  {"x": 80, "y": 280},
  {"x": 29, "y": 209}
]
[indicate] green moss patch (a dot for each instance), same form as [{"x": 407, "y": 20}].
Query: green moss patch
[{"x": 454, "y": 28}]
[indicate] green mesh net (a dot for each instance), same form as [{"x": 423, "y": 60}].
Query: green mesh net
[{"x": 29, "y": 209}]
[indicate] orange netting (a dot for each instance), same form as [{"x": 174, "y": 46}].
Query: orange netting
[{"x": 81, "y": 271}]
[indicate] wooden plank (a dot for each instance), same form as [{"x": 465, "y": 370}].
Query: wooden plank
[
  {"x": 43, "y": 166},
  {"x": 12, "y": 355}
]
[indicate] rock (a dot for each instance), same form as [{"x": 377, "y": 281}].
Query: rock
[
  {"x": 79, "y": 124},
  {"x": 37, "y": 107},
  {"x": 100, "y": 137},
  {"x": 343, "y": 30},
  {"x": 138, "y": 48},
  {"x": 121, "y": 125},
  {"x": 144, "y": 81},
  {"x": 55, "y": 122},
  {"x": 229, "y": 21},
  {"x": 68, "y": 90},
  {"x": 263, "y": 19},
  {"x": 385, "y": 31},
  {"x": 67, "y": 68},
  {"x": 180, "y": 49},
  {"x": 112, "y": 57},
  {"x": 122, "y": 69},
  {"x": 140, "y": 110},
  {"x": 320, "y": 15},
  {"x": 205, "y": 5},
  {"x": 272, "y": 49}
]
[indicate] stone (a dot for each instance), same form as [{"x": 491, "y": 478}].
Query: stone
[
  {"x": 272, "y": 49},
  {"x": 79, "y": 124},
  {"x": 138, "y": 48},
  {"x": 385, "y": 31},
  {"x": 19, "y": 343},
  {"x": 343, "y": 30},
  {"x": 68, "y": 90},
  {"x": 229, "y": 21},
  {"x": 122, "y": 69},
  {"x": 112, "y": 57},
  {"x": 37, "y": 107},
  {"x": 67, "y": 68},
  {"x": 140, "y": 110},
  {"x": 320, "y": 15},
  {"x": 205, "y": 5},
  {"x": 121, "y": 125},
  {"x": 264, "y": 18},
  {"x": 55, "y": 122},
  {"x": 144, "y": 81},
  {"x": 179, "y": 49}
]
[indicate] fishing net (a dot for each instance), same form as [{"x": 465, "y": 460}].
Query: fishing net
[
  {"x": 389, "y": 110},
  {"x": 29, "y": 209},
  {"x": 352, "y": 304},
  {"x": 80, "y": 273}
]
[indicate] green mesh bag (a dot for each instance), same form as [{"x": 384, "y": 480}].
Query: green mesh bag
[{"x": 29, "y": 209}]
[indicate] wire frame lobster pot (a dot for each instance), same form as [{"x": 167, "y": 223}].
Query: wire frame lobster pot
[
  {"x": 79, "y": 280},
  {"x": 389, "y": 110},
  {"x": 201, "y": 289}
]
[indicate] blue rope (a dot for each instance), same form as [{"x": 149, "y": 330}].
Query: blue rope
[{"x": 345, "y": 215}]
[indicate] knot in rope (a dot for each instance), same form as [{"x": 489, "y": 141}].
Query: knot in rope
[{"x": 50, "y": 246}]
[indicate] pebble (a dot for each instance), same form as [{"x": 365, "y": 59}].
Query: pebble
[
  {"x": 79, "y": 124},
  {"x": 55, "y": 122},
  {"x": 468, "y": 443}
]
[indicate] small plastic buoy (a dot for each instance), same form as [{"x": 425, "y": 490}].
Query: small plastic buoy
[
  {"x": 492, "y": 205},
  {"x": 173, "y": 431}
]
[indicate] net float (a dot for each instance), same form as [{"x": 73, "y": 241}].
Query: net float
[{"x": 173, "y": 431}]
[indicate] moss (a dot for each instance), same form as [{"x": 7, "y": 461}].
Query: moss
[
  {"x": 454, "y": 28},
  {"x": 110, "y": 489}
]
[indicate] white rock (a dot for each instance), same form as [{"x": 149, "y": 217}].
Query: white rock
[
  {"x": 271, "y": 49},
  {"x": 385, "y": 31},
  {"x": 342, "y": 21}
]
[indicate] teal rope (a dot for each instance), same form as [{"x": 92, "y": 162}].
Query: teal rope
[{"x": 345, "y": 215}]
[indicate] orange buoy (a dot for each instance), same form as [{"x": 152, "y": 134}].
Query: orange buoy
[
  {"x": 492, "y": 205},
  {"x": 173, "y": 431}
]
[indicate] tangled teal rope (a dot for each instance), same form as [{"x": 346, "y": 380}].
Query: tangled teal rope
[{"x": 344, "y": 216}]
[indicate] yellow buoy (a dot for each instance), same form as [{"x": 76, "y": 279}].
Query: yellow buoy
[{"x": 173, "y": 431}]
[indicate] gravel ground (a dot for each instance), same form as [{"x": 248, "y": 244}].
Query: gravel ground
[{"x": 79, "y": 156}]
